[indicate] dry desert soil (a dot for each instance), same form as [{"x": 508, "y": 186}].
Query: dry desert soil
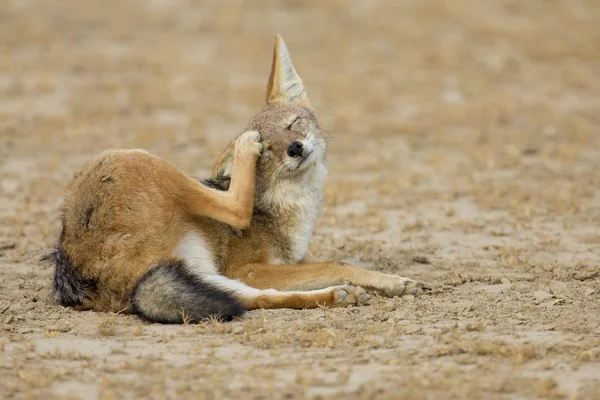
[{"x": 464, "y": 152}]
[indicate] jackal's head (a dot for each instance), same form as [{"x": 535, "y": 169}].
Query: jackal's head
[{"x": 293, "y": 143}]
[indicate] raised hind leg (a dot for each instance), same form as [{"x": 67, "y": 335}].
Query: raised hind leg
[{"x": 234, "y": 206}]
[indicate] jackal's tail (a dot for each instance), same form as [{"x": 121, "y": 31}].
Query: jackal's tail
[{"x": 169, "y": 293}]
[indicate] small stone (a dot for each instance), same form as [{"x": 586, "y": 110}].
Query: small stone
[
  {"x": 421, "y": 260},
  {"x": 375, "y": 341},
  {"x": 465, "y": 359},
  {"x": 541, "y": 295},
  {"x": 8, "y": 319},
  {"x": 238, "y": 330},
  {"x": 542, "y": 259},
  {"x": 409, "y": 298},
  {"x": 7, "y": 245},
  {"x": 589, "y": 292},
  {"x": 505, "y": 281},
  {"x": 412, "y": 328},
  {"x": 585, "y": 275},
  {"x": 557, "y": 287},
  {"x": 61, "y": 328},
  {"x": 493, "y": 289},
  {"x": 9, "y": 186}
]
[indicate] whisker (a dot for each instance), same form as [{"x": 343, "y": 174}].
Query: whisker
[
  {"x": 280, "y": 170},
  {"x": 275, "y": 171},
  {"x": 327, "y": 134}
]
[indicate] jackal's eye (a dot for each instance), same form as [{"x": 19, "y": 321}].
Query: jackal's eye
[{"x": 292, "y": 123}]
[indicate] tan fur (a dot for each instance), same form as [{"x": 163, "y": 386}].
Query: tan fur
[
  {"x": 336, "y": 296},
  {"x": 276, "y": 93},
  {"x": 319, "y": 275},
  {"x": 127, "y": 210}
]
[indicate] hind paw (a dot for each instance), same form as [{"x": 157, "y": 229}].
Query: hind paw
[
  {"x": 249, "y": 142},
  {"x": 350, "y": 295}
]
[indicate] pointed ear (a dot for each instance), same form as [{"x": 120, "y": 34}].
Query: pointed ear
[{"x": 285, "y": 86}]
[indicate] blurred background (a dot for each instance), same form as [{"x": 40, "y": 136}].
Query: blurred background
[
  {"x": 464, "y": 152},
  {"x": 498, "y": 100},
  {"x": 164, "y": 73}
]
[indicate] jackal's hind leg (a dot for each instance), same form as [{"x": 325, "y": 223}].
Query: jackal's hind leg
[{"x": 252, "y": 298}]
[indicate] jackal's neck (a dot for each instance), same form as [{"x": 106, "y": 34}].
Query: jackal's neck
[
  {"x": 293, "y": 207},
  {"x": 293, "y": 195}
]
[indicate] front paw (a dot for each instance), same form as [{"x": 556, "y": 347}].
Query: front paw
[
  {"x": 399, "y": 286},
  {"x": 249, "y": 143},
  {"x": 237, "y": 232}
]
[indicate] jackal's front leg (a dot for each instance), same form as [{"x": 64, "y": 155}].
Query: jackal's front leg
[{"x": 318, "y": 275}]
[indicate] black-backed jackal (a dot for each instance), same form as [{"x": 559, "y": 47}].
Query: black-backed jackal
[{"x": 140, "y": 235}]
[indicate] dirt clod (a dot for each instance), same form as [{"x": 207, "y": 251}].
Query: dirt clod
[{"x": 541, "y": 295}]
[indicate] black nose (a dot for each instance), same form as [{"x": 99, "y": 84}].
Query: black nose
[{"x": 295, "y": 149}]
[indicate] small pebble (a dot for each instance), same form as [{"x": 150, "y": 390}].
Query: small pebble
[
  {"x": 541, "y": 295},
  {"x": 238, "y": 330},
  {"x": 421, "y": 260}
]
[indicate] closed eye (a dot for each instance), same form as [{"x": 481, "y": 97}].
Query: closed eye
[{"x": 293, "y": 122}]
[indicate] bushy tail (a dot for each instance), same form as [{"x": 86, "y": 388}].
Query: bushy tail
[
  {"x": 169, "y": 293},
  {"x": 68, "y": 287}
]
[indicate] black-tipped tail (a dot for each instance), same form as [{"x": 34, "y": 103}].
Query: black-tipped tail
[
  {"x": 170, "y": 294},
  {"x": 68, "y": 287}
]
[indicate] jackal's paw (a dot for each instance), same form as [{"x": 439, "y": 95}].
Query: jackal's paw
[
  {"x": 237, "y": 232},
  {"x": 249, "y": 143},
  {"x": 348, "y": 294},
  {"x": 400, "y": 286}
]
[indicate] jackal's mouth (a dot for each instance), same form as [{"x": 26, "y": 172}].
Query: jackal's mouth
[{"x": 305, "y": 157}]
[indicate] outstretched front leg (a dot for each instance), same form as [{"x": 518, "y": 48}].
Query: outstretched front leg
[{"x": 318, "y": 275}]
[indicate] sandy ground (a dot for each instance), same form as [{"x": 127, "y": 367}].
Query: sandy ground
[{"x": 464, "y": 143}]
